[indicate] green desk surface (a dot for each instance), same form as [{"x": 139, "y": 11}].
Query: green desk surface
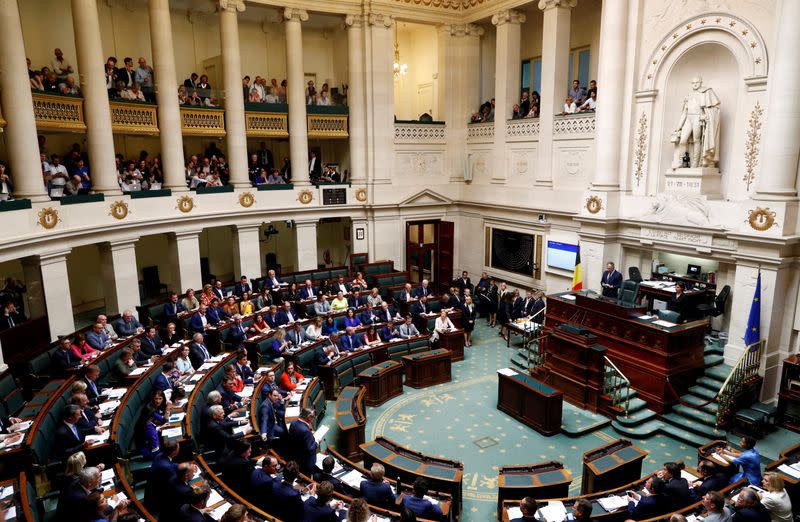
[
  {"x": 372, "y": 370},
  {"x": 348, "y": 393},
  {"x": 533, "y": 383},
  {"x": 429, "y": 353},
  {"x": 597, "y": 509},
  {"x": 629, "y": 453},
  {"x": 552, "y": 477},
  {"x": 346, "y": 420},
  {"x": 376, "y": 450},
  {"x": 518, "y": 481},
  {"x": 442, "y": 472},
  {"x": 52, "y": 386},
  {"x": 344, "y": 406},
  {"x": 605, "y": 463},
  {"x": 406, "y": 463}
]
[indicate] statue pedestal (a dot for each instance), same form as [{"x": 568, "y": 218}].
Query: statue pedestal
[{"x": 697, "y": 181}]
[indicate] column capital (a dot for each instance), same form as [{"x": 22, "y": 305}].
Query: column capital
[
  {"x": 546, "y": 5},
  {"x": 50, "y": 258},
  {"x": 304, "y": 223},
  {"x": 247, "y": 227},
  {"x": 380, "y": 20},
  {"x": 297, "y": 15},
  {"x": 121, "y": 244},
  {"x": 187, "y": 234},
  {"x": 461, "y": 29},
  {"x": 354, "y": 21},
  {"x": 510, "y": 16},
  {"x": 232, "y": 6}
]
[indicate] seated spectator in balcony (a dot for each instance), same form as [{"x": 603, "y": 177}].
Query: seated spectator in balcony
[
  {"x": 198, "y": 180},
  {"x": 275, "y": 178},
  {"x": 135, "y": 93},
  {"x": 37, "y": 81},
  {"x": 254, "y": 96},
  {"x": 534, "y": 112},
  {"x": 523, "y": 107},
  {"x": 82, "y": 171},
  {"x": 58, "y": 177},
  {"x": 569, "y": 106},
  {"x": 184, "y": 98},
  {"x": 144, "y": 77},
  {"x": 262, "y": 178},
  {"x": 272, "y": 96},
  {"x": 69, "y": 87},
  {"x": 51, "y": 83},
  {"x": 324, "y": 99},
  {"x": 590, "y": 104},
  {"x": 131, "y": 179},
  {"x": 6, "y": 186},
  {"x": 577, "y": 92},
  {"x": 214, "y": 180},
  {"x": 61, "y": 66},
  {"x": 73, "y": 186},
  {"x": 203, "y": 89},
  {"x": 311, "y": 93}
]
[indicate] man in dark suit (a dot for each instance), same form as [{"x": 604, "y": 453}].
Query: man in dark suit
[
  {"x": 463, "y": 283},
  {"x": 90, "y": 376},
  {"x": 424, "y": 289},
  {"x": 63, "y": 359},
  {"x": 219, "y": 291},
  {"x": 418, "y": 310},
  {"x": 367, "y": 316},
  {"x": 286, "y": 315},
  {"x": 215, "y": 314},
  {"x": 537, "y": 306},
  {"x": 518, "y": 307},
  {"x": 328, "y": 464},
  {"x": 198, "y": 353},
  {"x": 421, "y": 506},
  {"x": 219, "y": 435},
  {"x": 73, "y": 501},
  {"x": 314, "y": 167},
  {"x": 340, "y": 286},
  {"x": 322, "y": 356},
  {"x": 308, "y": 291},
  {"x": 237, "y": 467},
  {"x": 230, "y": 399},
  {"x": 172, "y": 308},
  {"x": 653, "y": 505},
  {"x": 272, "y": 282},
  {"x": 265, "y": 157},
  {"x": 611, "y": 281},
  {"x": 677, "y": 487},
  {"x": 238, "y": 334},
  {"x": 407, "y": 294},
  {"x": 350, "y": 341},
  {"x": 241, "y": 287},
  {"x": 262, "y": 481},
  {"x": 356, "y": 300},
  {"x": 296, "y": 334},
  {"x": 68, "y": 438},
  {"x": 127, "y": 74},
  {"x": 285, "y": 502},
  {"x": 748, "y": 508},
  {"x": 271, "y": 423},
  {"x": 87, "y": 422},
  {"x": 386, "y": 314},
  {"x": 151, "y": 342},
  {"x": 194, "y": 511},
  {"x": 199, "y": 320},
  {"x": 301, "y": 443},
  {"x": 163, "y": 380},
  {"x": 376, "y": 490},
  {"x": 190, "y": 83},
  {"x": 162, "y": 472},
  {"x": 317, "y": 509},
  {"x": 10, "y": 317}
]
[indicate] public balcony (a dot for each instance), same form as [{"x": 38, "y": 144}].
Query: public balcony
[
  {"x": 579, "y": 126},
  {"x": 63, "y": 113}
]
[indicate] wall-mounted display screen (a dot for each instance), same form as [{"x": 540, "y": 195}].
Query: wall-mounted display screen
[{"x": 561, "y": 255}]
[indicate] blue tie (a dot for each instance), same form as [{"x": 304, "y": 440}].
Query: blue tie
[
  {"x": 75, "y": 431},
  {"x": 206, "y": 355}
]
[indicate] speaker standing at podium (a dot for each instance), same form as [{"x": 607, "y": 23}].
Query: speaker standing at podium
[{"x": 611, "y": 281}]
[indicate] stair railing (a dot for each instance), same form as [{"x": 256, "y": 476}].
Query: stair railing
[
  {"x": 534, "y": 352},
  {"x": 613, "y": 383},
  {"x": 745, "y": 369}
]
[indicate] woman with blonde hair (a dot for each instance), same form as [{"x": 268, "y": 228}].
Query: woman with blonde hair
[
  {"x": 235, "y": 513},
  {"x": 775, "y": 499},
  {"x": 207, "y": 295},
  {"x": 314, "y": 330},
  {"x": 359, "y": 511},
  {"x": 190, "y": 302}
]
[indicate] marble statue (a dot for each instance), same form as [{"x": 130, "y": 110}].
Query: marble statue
[{"x": 699, "y": 123}]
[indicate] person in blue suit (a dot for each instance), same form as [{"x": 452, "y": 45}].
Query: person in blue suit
[
  {"x": 376, "y": 490},
  {"x": 215, "y": 314},
  {"x": 238, "y": 333},
  {"x": 63, "y": 359},
  {"x": 241, "y": 287},
  {"x": 422, "y": 507},
  {"x": 367, "y": 316},
  {"x": 611, "y": 281},
  {"x": 163, "y": 380},
  {"x": 350, "y": 341},
  {"x": 271, "y": 423},
  {"x": 172, "y": 308},
  {"x": 127, "y": 324},
  {"x": 308, "y": 291},
  {"x": 243, "y": 368},
  {"x": 230, "y": 399},
  {"x": 317, "y": 509},
  {"x": 424, "y": 289},
  {"x": 749, "y": 459},
  {"x": 286, "y": 314},
  {"x": 285, "y": 502},
  {"x": 148, "y": 441},
  {"x": 97, "y": 338},
  {"x": 199, "y": 320},
  {"x": 151, "y": 342},
  {"x": 163, "y": 471},
  {"x": 351, "y": 319},
  {"x": 528, "y": 506},
  {"x": 68, "y": 438},
  {"x": 301, "y": 443}
]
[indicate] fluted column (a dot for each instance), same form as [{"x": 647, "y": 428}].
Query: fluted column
[
  {"x": 298, "y": 129},
  {"x": 96, "y": 111},
  {"x": 306, "y": 244},
  {"x": 555, "y": 54},
  {"x": 356, "y": 98},
  {"x": 506, "y": 81},
  {"x": 23, "y": 149},
  {"x": 611, "y": 75},
  {"x": 232, "y": 83},
  {"x": 166, "y": 81},
  {"x": 120, "y": 274},
  {"x": 57, "y": 297},
  {"x": 778, "y": 178}
]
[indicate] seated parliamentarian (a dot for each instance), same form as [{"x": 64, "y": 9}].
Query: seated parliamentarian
[
  {"x": 716, "y": 510},
  {"x": 679, "y": 303},
  {"x": 233, "y": 375},
  {"x": 147, "y": 438},
  {"x": 748, "y": 508},
  {"x": 199, "y": 321},
  {"x": 97, "y": 337},
  {"x": 151, "y": 342},
  {"x": 286, "y": 315},
  {"x": 323, "y": 355},
  {"x": 189, "y": 301},
  {"x": 68, "y": 438},
  {"x": 351, "y": 319},
  {"x": 749, "y": 459},
  {"x": 314, "y": 329},
  {"x": 356, "y": 300},
  {"x": 387, "y": 332},
  {"x": 139, "y": 357},
  {"x": 231, "y": 307},
  {"x": 407, "y": 329},
  {"x": 371, "y": 337},
  {"x": 775, "y": 499},
  {"x": 320, "y": 508},
  {"x": 322, "y": 306},
  {"x": 375, "y": 298},
  {"x": 386, "y": 314},
  {"x": 677, "y": 487},
  {"x": 198, "y": 353},
  {"x": 350, "y": 341},
  {"x": 127, "y": 324},
  {"x": 246, "y": 305},
  {"x": 710, "y": 480},
  {"x": 296, "y": 335},
  {"x": 329, "y": 326},
  {"x": 242, "y": 367},
  {"x": 182, "y": 362},
  {"x": 230, "y": 399},
  {"x": 528, "y": 506},
  {"x": 173, "y": 307},
  {"x": 367, "y": 316},
  {"x": 359, "y": 283},
  {"x": 308, "y": 291},
  {"x": 339, "y": 303},
  {"x": 219, "y": 435},
  {"x": 655, "y": 503},
  {"x": 376, "y": 490},
  {"x": 339, "y": 286},
  {"x": 81, "y": 349},
  {"x": 123, "y": 367},
  {"x": 285, "y": 502},
  {"x": 271, "y": 316},
  {"x": 290, "y": 378},
  {"x": 278, "y": 346},
  {"x": 63, "y": 359},
  {"x": 421, "y": 506},
  {"x": 215, "y": 313}
]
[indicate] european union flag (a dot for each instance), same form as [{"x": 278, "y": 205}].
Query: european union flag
[{"x": 753, "y": 333}]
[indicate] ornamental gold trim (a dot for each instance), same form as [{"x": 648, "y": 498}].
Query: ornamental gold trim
[
  {"x": 751, "y": 145},
  {"x": 246, "y": 199},
  {"x": 594, "y": 204},
  {"x": 305, "y": 197},
  {"x": 361, "y": 194},
  {"x": 761, "y": 219},
  {"x": 640, "y": 154},
  {"x": 185, "y": 204},
  {"x": 48, "y": 217},
  {"x": 119, "y": 209}
]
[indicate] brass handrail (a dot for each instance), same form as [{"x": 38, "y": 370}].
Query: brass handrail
[
  {"x": 745, "y": 368},
  {"x": 618, "y": 376}
]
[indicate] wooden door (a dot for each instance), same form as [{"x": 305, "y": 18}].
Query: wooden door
[{"x": 444, "y": 250}]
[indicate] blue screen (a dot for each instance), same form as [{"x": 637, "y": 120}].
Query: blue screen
[{"x": 561, "y": 255}]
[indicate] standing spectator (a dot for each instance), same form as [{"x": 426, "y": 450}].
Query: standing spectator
[
  {"x": 577, "y": 92},
  {"x": 144, "y": 77},
  {"x": 127, "y": 74},
  {"x": 82, "y": 171},
  {"x": 245, "y": 88},
  {"x": 61, "y": 67},
  {"x": 524, "y": 106},
  {"x": 58, "y": 177},
  {"x": 111, "y": 76},
  {"x": 190, "y": 83},
  {"x": 203, "y": 90},
  {"x": 592, "y": 87},
  {"x": 6, "y": 187}
]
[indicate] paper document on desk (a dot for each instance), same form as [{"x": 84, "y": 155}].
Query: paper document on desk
[
  {"x": 431, "y": 500},
  {"x": 568, "y": 297},
  {"x": 214, "y": 498},
  {"x": 6, "y": 492},
  {"x": 514, "y": 512},
  {"x": 177, "y": 417},
  {"x": 292, "y": 411},
  {"x": 171, "y": 433},
  {"x": 613, "y": 503},
  {"x": 647, "y": 317},
  {"x": 554, "y": 511},
  {"x": 241, "y": 429},
  {"x": 688, "y": 476},
  {"x": 22, "y": 426},
  {"x": 206, "y": 366},
  {"x": 719, "y": 458},
  {"x": 98, "y": 439},
  {"x": 138, "y": 371},
  {"x": 320, "y": 433},
  {"x": 665, "y": 324},
  {"x": 789, "y": 470},
  {"x": 115, "y": 393},
  {"x": 353, "y": 478},
  {"x": 508, "y": 372},
  {"x": 109, "y": 406}
]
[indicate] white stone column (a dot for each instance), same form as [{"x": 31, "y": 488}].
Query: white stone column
[
  {"x": 247, "y": 251},
  {"x": 555, "y": 84},
  {"x": 166, "y": 84},
  {"x": 96, "y": 111},
  {"x": 506, "y": 82},
  {"x": 611, "y": 75},
  {"x": 380, "y": 98},
  {"x": 356, "y": 95},
  {"x": 121, "y": 276},
  {"x": 306, "y": 232},
  {"x": 459, "y": 51},
  {"x": 232, "y": 83},
  {"x": 184, "y": 250},
  {"x": 778, "y": 176},
  {"x": 15, "y": 93},
  {"x": 55, "y": 281},
  {"x": 298, "y": 128}
]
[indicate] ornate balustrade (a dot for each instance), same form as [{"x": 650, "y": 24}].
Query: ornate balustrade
[
  {"x": 266, "y": 120},
  {"x": 573, "y": 126},
  {"x": 57, "y": 112},
  {"x": 480, "y": 132},
  {"x": 134, "y": 117},
  {"x": 525, "y": 129},
  {"x": 327, "y": 121},
  {"x": 202, "y": 121},
  {"x": 419, "y": 133}
]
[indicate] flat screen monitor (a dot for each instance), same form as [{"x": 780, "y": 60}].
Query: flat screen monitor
[
  {"x": 663, "y": 269},
  {"x": 693, "y": 271},
  {"x": 561, "y": 255}
]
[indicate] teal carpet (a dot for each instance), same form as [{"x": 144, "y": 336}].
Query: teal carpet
[{"x": 460, "y": 420}]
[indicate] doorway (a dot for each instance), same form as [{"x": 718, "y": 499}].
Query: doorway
[{"x": 429, "y": 252}]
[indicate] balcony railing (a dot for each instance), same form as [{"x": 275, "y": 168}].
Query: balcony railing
[
  {"x": 327, "y": 121},
  {"x": 266, "y": 120},
  {"x": 58, "y": 112},
  {"x": 480, "y": 132},
  {"x": 202, "y": 121},
  {"x": 524, "y": 129},
  {"x": 572, "y": 126},
  {"x": 407, "y": 132},
  {"x": 129, "y": 117}
]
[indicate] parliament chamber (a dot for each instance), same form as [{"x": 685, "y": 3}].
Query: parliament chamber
[{"x": 395, "y": 260}]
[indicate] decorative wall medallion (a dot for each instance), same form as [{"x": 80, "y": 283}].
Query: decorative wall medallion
[
  {"x": 119, "y": 209},
  {"x": 361, "y": 194},
  {"x": 594, "y": 204},
  {"x": 641, "y": 149},
  {"x": 751, "y": 146},
  {"x": 185, "y": 204},
  {"x": 246, "y": 199},
  {"x": 761, "y": 219},
  {"x": 48, "y": 217},
  {"x": 305, "y": 197}
]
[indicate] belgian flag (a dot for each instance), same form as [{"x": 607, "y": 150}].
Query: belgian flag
[{"x": 577, "y": 275}]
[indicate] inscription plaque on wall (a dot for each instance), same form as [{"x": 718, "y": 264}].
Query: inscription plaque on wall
[{"x": 334, "y": 196}]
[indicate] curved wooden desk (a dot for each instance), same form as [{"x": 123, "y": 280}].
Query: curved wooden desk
[
  {"x": 351, "y": 417},
  {"x": 542, "y": 480},
  {"x": 611, "y": 465}
]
